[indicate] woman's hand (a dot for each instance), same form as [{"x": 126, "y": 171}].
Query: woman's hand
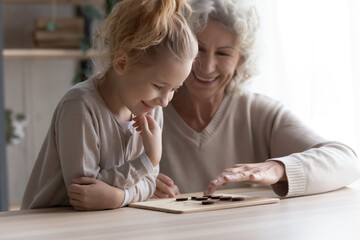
[
  {"x": 165, "y": 187},
  {"x": 151, "y": 135},
  {"x": 269, "y": 172},
  {"x": 91, "y": 194}
]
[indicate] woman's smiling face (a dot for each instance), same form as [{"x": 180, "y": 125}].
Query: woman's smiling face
[{"x": 216, "y": 63}]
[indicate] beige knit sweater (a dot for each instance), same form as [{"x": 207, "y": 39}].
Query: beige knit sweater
[
  {"x": 251, "y": 128},
  {"x": 85, "y": 139}
]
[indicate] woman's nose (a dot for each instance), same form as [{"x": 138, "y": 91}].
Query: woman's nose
[{"x": 206, "y": 63}]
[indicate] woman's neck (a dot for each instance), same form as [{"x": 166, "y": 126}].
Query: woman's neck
[
  {"x": 108, "y": 86},
  {"x": 196, "y": 112}
]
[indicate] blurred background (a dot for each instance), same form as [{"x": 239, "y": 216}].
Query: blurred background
[{"x": 309, "y": 59}]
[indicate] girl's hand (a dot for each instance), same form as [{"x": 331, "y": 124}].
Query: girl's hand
[
  {"x": 165, "y": 187},
  {"x": 91, "y": 194},
  {"x": 269, "y": 172},
  {"x": 151, "y": 135}
]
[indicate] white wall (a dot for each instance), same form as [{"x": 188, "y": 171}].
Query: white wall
[
  {"x": 33, "y": 87},
  {"x": 310, "y": 61}
]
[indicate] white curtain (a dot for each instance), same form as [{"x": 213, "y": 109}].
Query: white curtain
[{"x": 310, "y": 61}]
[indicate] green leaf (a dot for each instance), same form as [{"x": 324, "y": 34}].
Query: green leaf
[
  {"x": 84, "y": 44},
  {"x": 91, "y": 12},
  {"x": 20, "y": 117},
  {"x": 51, "y": 26},
  {"x": 110, "y": 5}
]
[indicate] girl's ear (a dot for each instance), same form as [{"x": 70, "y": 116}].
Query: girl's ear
[{"x": 120, "y": 63}]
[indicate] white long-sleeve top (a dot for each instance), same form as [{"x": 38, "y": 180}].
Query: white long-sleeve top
[
  {"x": 253, "y": 128},
  {"x": 86, "y": 140}
]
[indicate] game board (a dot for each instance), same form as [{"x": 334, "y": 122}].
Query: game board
[{"x": 171, "y": 205}]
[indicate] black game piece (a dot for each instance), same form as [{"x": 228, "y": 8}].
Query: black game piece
[
  {"x": 225, "y": 198},
  {"x": 201, "y": 198},
  {"x": 208, "y": 202},
  {"x": 238, "y": 199},
  {"x": 182, "y": 199}
]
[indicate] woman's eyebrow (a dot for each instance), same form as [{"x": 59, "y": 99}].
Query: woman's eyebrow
[{"x": 226, "y": 46}]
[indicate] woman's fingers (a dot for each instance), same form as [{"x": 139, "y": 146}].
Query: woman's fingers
[
  {"x": 230, "y": 175},
  {"x": 269, "y": 172},
  {"x": 214, "y": 184}
]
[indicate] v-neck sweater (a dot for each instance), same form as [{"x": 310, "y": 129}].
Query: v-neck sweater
[
  {"x": 252, "y": 128},
  {"x": 199, "y": 138}
]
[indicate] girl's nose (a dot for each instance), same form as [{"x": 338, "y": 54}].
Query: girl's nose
[{"x": 164, "y": 99}]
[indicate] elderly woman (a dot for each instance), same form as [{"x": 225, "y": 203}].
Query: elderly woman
[{"x": 214, "y": 123}]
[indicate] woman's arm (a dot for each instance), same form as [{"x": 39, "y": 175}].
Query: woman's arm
[
  {"x": 269, "y": 172},
  {"x": 309, "y": 163},
  {"x": 312, "y": 164}
]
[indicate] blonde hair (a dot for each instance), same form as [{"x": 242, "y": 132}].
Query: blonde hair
[
  {"x": 239, "y": 17},
  {"x": 142, "y": 28}
]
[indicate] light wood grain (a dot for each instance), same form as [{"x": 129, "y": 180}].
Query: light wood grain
[
  {"x": 170, "y": 205},
  {"x": 333, "y": 215}
]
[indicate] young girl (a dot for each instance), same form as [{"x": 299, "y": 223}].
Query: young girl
[{"x": 149, "y": 49}]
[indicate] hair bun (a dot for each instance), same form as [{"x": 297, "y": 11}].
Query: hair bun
[{"x": 134, "y": 26}]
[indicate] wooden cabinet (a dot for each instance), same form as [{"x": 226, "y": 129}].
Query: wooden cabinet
[
  {"x": 18, "y": 30},
  {"x": 74, "y": 2}
]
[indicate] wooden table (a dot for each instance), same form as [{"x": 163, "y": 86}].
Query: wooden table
[{"x": 333, "y": 215}]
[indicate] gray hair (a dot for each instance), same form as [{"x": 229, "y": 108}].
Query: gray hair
[{"x": 239, "y": 17}]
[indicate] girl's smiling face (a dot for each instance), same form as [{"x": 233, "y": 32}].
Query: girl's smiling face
[
  {"x": 216, "y": 63},
  {"x": 145, "y": 87}
]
